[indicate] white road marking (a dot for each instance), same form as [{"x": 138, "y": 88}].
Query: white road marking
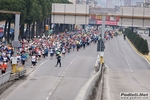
[
  {"x": 47, "y": 98},
  {"x": 129, "y": 66},
  {"x": 50, "y": 93},
  {"x": 36, "y": 69},
  {"x": 133, "y": 74},
  {"x": 131, "y": 70},
  {"x": 62, "y": 76},
  {"x": 53, "y": 88}
]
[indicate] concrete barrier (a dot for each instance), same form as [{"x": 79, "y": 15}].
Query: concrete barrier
[
  {"x": 97, "y": 64},
  {"x": 4, "y": 78},
  {"x": 87, "y": 90}
]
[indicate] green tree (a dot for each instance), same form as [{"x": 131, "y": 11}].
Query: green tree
[
  {"x": 31, "y": 11},
  {"x": 11, "y": 5}
]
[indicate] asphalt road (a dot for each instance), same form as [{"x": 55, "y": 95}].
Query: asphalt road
[
  {"x": 126, "y": 70},
  {"x": 48, "y": 82}
]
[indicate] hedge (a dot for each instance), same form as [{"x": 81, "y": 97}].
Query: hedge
[{"x": 140, "y": 44}]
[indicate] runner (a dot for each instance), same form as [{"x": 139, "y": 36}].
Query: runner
[
  {"x": 33, "y": 60},
  {"x": 51, "y": 53}
]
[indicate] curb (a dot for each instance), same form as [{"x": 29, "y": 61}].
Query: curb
[
  {"x": 147, "y": 57},
  {"x": 5, "y": 86}
]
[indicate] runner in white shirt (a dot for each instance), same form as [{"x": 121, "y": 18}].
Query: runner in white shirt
[
  {"x": 18, "y": 58},
  {"x": 39, "y": 54},
  {"x": 63, "y": 51},
  {"x": 43, "y": 52},
  {"x": 51, "y": 53},
  {"x": 34, "y": 60}
]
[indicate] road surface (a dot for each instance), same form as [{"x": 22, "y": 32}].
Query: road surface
[
  {"x": 126, "y": 70},
  {"x": 48, "y": 82}
]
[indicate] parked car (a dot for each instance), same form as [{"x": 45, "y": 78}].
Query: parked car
[{"x": 146, "y": 32}]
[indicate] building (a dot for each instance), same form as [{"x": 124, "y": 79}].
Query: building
[
  {"x": 127, "y": 2},
  {"x": 146, "y": 1},
  {"x": 109, "y": 4},
  {"x": 73, "y": 1}
]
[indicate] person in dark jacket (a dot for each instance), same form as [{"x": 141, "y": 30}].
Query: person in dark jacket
[{"x": 58, "y": 59}]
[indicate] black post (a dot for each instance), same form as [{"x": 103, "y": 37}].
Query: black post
[
  {"x": 132, "y": 28},
  {"x": 149, "y": 32}
]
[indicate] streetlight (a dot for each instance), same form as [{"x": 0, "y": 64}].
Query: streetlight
[{"x": 15, "y": 43}]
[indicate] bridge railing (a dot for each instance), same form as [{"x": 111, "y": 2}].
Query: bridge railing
[
  {"x": 86, "y": 92},
  {"x": 4, "y": 78}
]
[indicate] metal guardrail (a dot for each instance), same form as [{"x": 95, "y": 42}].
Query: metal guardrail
[
  {"x": 4, "y": 78},
  {"x": 22, "y": 72},
  {"x": 86, "y": 90},
  {"x": 17, "y": 75},
  {"x": 14, "y": 76}
]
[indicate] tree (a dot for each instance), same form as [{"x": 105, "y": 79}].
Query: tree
[
  {"x": 31, "y": 11},
  {"x": 11, "y": 5}
]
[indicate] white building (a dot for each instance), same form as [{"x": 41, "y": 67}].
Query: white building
[{"x": 73, "y": 1}]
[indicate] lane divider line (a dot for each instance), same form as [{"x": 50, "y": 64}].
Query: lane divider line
[
  {"x": 47, "y": 98},
  {"x": 62, "y": 76}
]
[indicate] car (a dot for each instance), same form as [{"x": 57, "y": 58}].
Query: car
[{"x": 146, "y": 32}]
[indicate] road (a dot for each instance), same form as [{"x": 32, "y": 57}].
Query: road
[
  {"x": 126, "y": 70},
  {"x": 48, "y": 82}
]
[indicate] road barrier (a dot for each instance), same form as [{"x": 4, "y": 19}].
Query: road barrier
[
  {"x": 97, "y": 64},
  {"x": 4, "y": 78},
  {"x": 87, "y": 92},
  {"x": 17, "y": 75},
  {"x": 14, "y": 76}
]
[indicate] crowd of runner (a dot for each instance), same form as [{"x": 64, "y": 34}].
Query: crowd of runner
[{"x": 39, "y": 48}]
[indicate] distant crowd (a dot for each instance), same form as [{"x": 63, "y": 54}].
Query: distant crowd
[{"x": 39, "y": 48}]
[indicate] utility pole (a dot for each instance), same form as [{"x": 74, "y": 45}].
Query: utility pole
[
  {"x": 15, "y": 43},
  {"x": 100, "y": 44}
]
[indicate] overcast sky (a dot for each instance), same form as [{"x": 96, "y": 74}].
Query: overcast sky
[{"x": 102, "y": 3}]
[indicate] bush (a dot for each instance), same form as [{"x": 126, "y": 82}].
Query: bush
[{"x": 140, "y": 44}]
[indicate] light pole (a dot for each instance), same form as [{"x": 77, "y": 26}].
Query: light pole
[
  {"x": 15, "y": 43},
  {"x": 103, "y": 45},
  {"x": 100, "y": 44}
]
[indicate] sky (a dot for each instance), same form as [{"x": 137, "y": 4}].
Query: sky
[{"x": 102, "y": 3}]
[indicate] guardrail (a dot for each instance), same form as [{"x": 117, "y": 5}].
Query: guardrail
[
  {"x": 87, "y": 90},
  {"x": 4, "y": 78},
  {"x": 17, "y": 75}
]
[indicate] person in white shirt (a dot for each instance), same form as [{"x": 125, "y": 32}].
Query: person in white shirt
[
  {"x": 43, "y": 52},
  {"x": 18, "y": 58},
  {"x": 33, "y": 60},
  {"x": 39, "y": 54},
  {"x": 63, "y": 51},
  {"x": 51, "y": 53}
]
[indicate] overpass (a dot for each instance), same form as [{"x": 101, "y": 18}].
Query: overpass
[{"x": 80, "y": 14}]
